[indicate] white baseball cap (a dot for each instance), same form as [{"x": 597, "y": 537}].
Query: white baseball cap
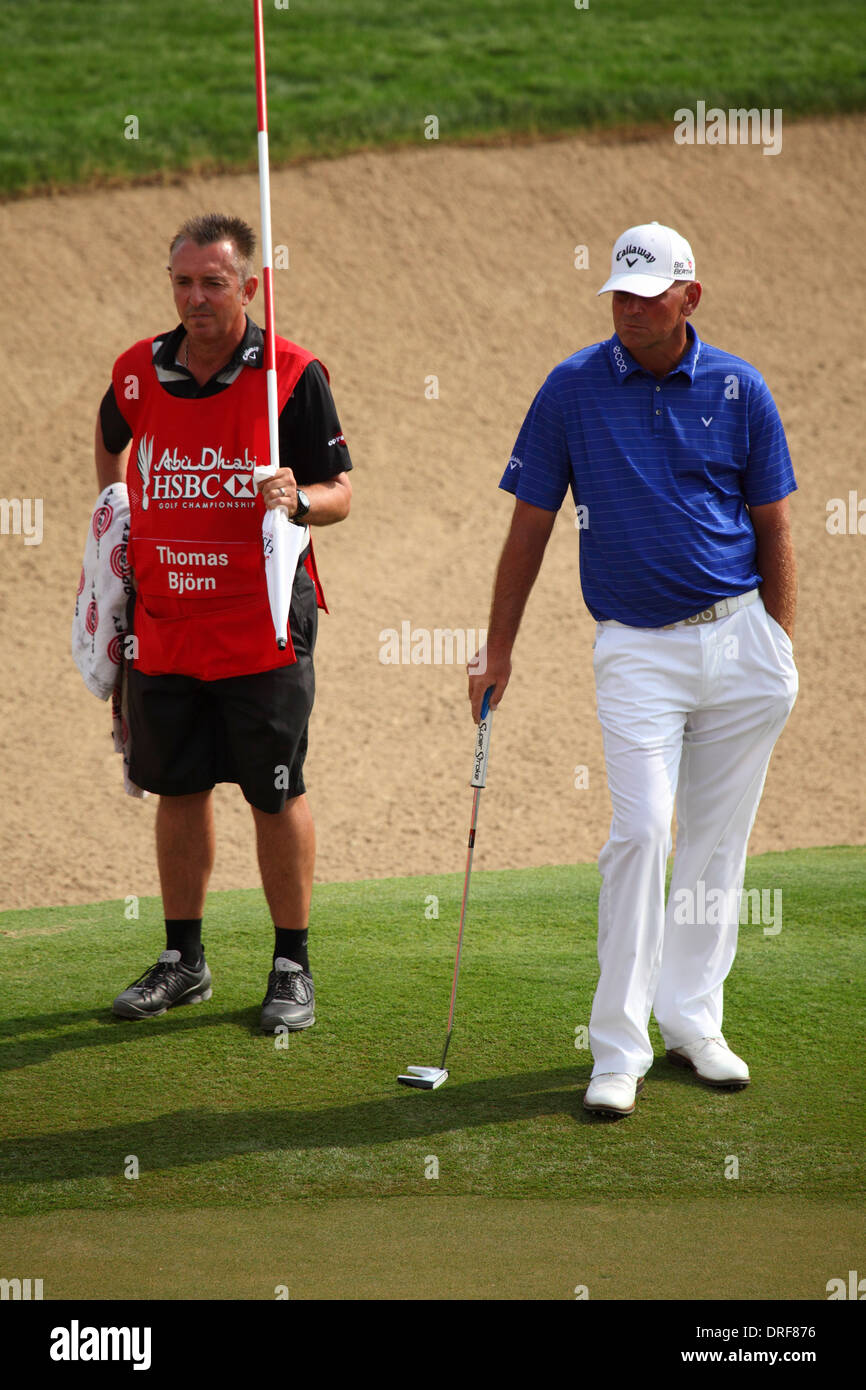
[{"x": 648, "y": 259}]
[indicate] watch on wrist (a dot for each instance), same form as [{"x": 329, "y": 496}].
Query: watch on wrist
[{"x": 303, "y": 508}]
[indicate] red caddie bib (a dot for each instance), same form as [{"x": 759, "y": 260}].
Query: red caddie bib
[{"x": 195, "y": 543}]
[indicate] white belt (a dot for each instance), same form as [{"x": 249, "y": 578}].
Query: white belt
[{"x": 722, "y": 609}]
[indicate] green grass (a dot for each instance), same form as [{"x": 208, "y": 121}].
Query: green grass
[
  {"x": 345, "y": 74},
  {"x": 216, "y": 1115}
]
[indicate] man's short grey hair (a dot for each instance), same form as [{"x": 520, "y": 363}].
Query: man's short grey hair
[{"x": 217, "y": 226}]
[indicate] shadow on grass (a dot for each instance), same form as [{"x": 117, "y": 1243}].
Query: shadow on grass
[
  {"x": 185, "y": 1138},
  {"x": 18, "y": 1050}
]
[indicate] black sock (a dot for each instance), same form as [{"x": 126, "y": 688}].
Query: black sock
[
  {"x": 292, "y": 945},
  {"x": 184, "y": 934}
]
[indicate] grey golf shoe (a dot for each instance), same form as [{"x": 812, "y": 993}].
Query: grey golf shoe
[
  {"x": 290, "y": 999},
  {"x": 163, "y": 986}
]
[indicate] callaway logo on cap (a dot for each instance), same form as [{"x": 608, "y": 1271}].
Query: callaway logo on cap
[{"x": 648, "y": 259}]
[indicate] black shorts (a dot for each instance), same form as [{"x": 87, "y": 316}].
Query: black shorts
[{"x": 188, "y": 734}]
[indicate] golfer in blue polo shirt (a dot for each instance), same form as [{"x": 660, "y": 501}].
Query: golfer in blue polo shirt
[{"x": 676, "y": 456}]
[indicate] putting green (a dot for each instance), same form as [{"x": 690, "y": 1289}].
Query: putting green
[{"x": 444, "y": 1248}]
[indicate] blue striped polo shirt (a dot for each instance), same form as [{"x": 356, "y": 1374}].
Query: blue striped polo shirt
[{"x": 665, "y": 469}]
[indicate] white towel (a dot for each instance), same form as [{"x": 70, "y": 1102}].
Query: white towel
[{"x": 99, "y": 622}]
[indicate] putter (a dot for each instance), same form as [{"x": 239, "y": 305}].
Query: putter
[{"x": 429, "y": 1078}]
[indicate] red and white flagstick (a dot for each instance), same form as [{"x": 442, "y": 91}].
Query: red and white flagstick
[
  {"x": 278, "y": 546},
  {"x": 267, "y": 252}
]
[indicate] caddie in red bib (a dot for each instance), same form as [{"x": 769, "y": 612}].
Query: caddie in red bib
[
  {"x": 196, "y": 520},
  {"x": 211, "y": 695}
]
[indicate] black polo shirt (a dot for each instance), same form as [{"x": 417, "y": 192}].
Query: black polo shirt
[{"x": 311, "y": 440}]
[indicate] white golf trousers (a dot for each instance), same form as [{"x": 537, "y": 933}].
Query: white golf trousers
[{"x": 689, "y": 716}]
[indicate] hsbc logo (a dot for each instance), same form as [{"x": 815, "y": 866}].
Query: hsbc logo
[
  {"x": 176, "y": 477},
  {"x": 240, "y": 485},
  {"x": 188, "y": 486}
]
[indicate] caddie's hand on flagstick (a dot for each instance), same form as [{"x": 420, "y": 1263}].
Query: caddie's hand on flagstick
[{"x": 280, "y": 489}]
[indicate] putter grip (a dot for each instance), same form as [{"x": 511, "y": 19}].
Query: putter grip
[{"x": 482, "y": 743}]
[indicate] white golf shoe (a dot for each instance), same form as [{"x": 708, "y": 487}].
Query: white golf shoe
[
  {"x": 612, "y": 1093},
  {"x": 713, "y": 1062}
]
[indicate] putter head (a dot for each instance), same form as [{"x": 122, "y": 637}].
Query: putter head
[{"x": 424, "y": 1078}]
